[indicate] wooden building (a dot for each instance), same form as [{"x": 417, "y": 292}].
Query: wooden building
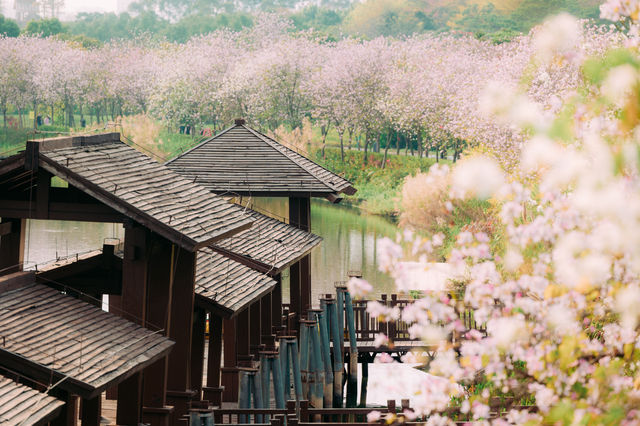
[
  {"x": 74, "y": 347},
  {"x": 167, "y": 220},
  {"x": 243, "y": 162},
  {"x": 187, "y": 255}
]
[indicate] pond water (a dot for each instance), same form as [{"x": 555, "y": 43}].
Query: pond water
[{"x": 349, "y": 242}]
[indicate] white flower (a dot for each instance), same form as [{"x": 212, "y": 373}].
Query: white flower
[
  {"x": 626, "y": 303},
  {"x": 512, "y": 260},
  {"x": 559, "y": 35},
  {"x": 506, "y": 330},
  {"x": 539, "y": 153},
  {"x": 561, "y": 319},
  {"x": 479, "y": 176},
  {"x": 619, "y": 83},
  {"x": 358, "y": 288},
  {"x": 373, "y": 416}
]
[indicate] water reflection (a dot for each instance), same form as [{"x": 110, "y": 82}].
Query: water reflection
[
  {"x": 48, "y": 240},
  {"x": 349, "y": 242}
]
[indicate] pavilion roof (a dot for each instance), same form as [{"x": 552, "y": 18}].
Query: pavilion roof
[
  {"x": 227, "y": 285},
  {"x": 241, "y": 160},
  {"x": 269, "y": 246},
  {"x": 22, "y": 405},
  {"x": 133, "y": 185},
  {"x": 49, "y": 336}
]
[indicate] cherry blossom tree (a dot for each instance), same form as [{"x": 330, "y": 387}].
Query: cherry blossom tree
[{"x": 556, "y": 284}]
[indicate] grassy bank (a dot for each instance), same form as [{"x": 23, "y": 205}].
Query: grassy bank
[{"x": 378, "y": 188}]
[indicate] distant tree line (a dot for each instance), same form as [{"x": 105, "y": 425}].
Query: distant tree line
[{"x": 180, "y": 20}]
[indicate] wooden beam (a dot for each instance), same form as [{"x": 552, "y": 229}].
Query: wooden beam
[
  {"x": 197, "y": 350},
  {"x": 215, "y": 351},
  {"x": 12, "y": 163},
  {"x": 246, "y": 261},
  {"x": 255, "y": 327},
  {"x": 16, "y": 280},
  {"x": 213, "y": 392},
  {"x": 43, "y": 180},
  {"x": 230, "y": 369},
  {"x": 180, "y": 391},
  {"x": 158, "y": 301},
  {"x": 134, "y": 285},
  {"x": 69, "y": 413},
  {"x": 84, "y": 212},
  {"x": 265, "y": 314},
  {"x": 276, "y": 303}
]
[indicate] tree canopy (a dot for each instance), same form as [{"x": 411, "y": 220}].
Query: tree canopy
[{"x": 8, "y": 27}]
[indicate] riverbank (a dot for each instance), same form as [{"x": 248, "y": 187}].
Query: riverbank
[{"x": 378, "y": 188}]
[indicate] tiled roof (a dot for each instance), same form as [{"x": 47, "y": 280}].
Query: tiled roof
[{"x": 244, "y": 161}]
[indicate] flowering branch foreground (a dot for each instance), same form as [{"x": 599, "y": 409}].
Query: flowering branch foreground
[{"x": 557, "y": 282}]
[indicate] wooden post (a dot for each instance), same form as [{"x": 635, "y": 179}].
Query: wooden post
[
  {"x": 134, "y": 283},
  {"x": 213, "y": 391},
  {"x": 197, "y": 350},
  {"x": 255, "y": 328},
  {"x": 159, "y": 289},
  {"x": 242, "y": 335},
  {"x": 230, "y": 369},
  {"x": 115, "y": 307},
  {"x": 265, "y": 315},
  {"x": 69, "y": 414},
  {"x": 276, "y": 302},
  {"x": 300, "y": 272},
  {"x": 180, "y": 391},
  {"x": 12, "y": 239},
  {"x": 91, "y": 411}
]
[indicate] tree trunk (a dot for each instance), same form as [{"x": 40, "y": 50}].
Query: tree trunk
[
  {"x": 324, "y": 130},
  {"x": 340, "y": 133},
  {"x": 52, "y": 119},
  {"x": 350, "y": 138},
  {"x": 397, "y": 143},
  {"x": 35, "y": 115},
  {"x": 4, "y": 115},
  {"x": 20, "y": 122},
  {"x": 365, "y": 160},
  {"x": 386, "y": 149}
]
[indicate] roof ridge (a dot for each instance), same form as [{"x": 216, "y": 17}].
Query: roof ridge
[
  {"x": 199, "y": 145},
  {"x": 271, "y": 143}
]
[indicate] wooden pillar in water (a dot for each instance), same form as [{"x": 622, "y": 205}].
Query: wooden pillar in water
[
  {"x": 159, "y": 288},
  {"x": 134, "y": 283},
  {"x": 197, "y": 350},
  {"x": 12, "y": 243},
  {"x": 230, "y": 369},
  {"x": 213, "y": 391},
  {"x": 180, "y": 391}
]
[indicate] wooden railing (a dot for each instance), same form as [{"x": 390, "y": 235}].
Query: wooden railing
[
  {"x": 303, "y": 414},
  {"x": 367, "y": 326}
]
